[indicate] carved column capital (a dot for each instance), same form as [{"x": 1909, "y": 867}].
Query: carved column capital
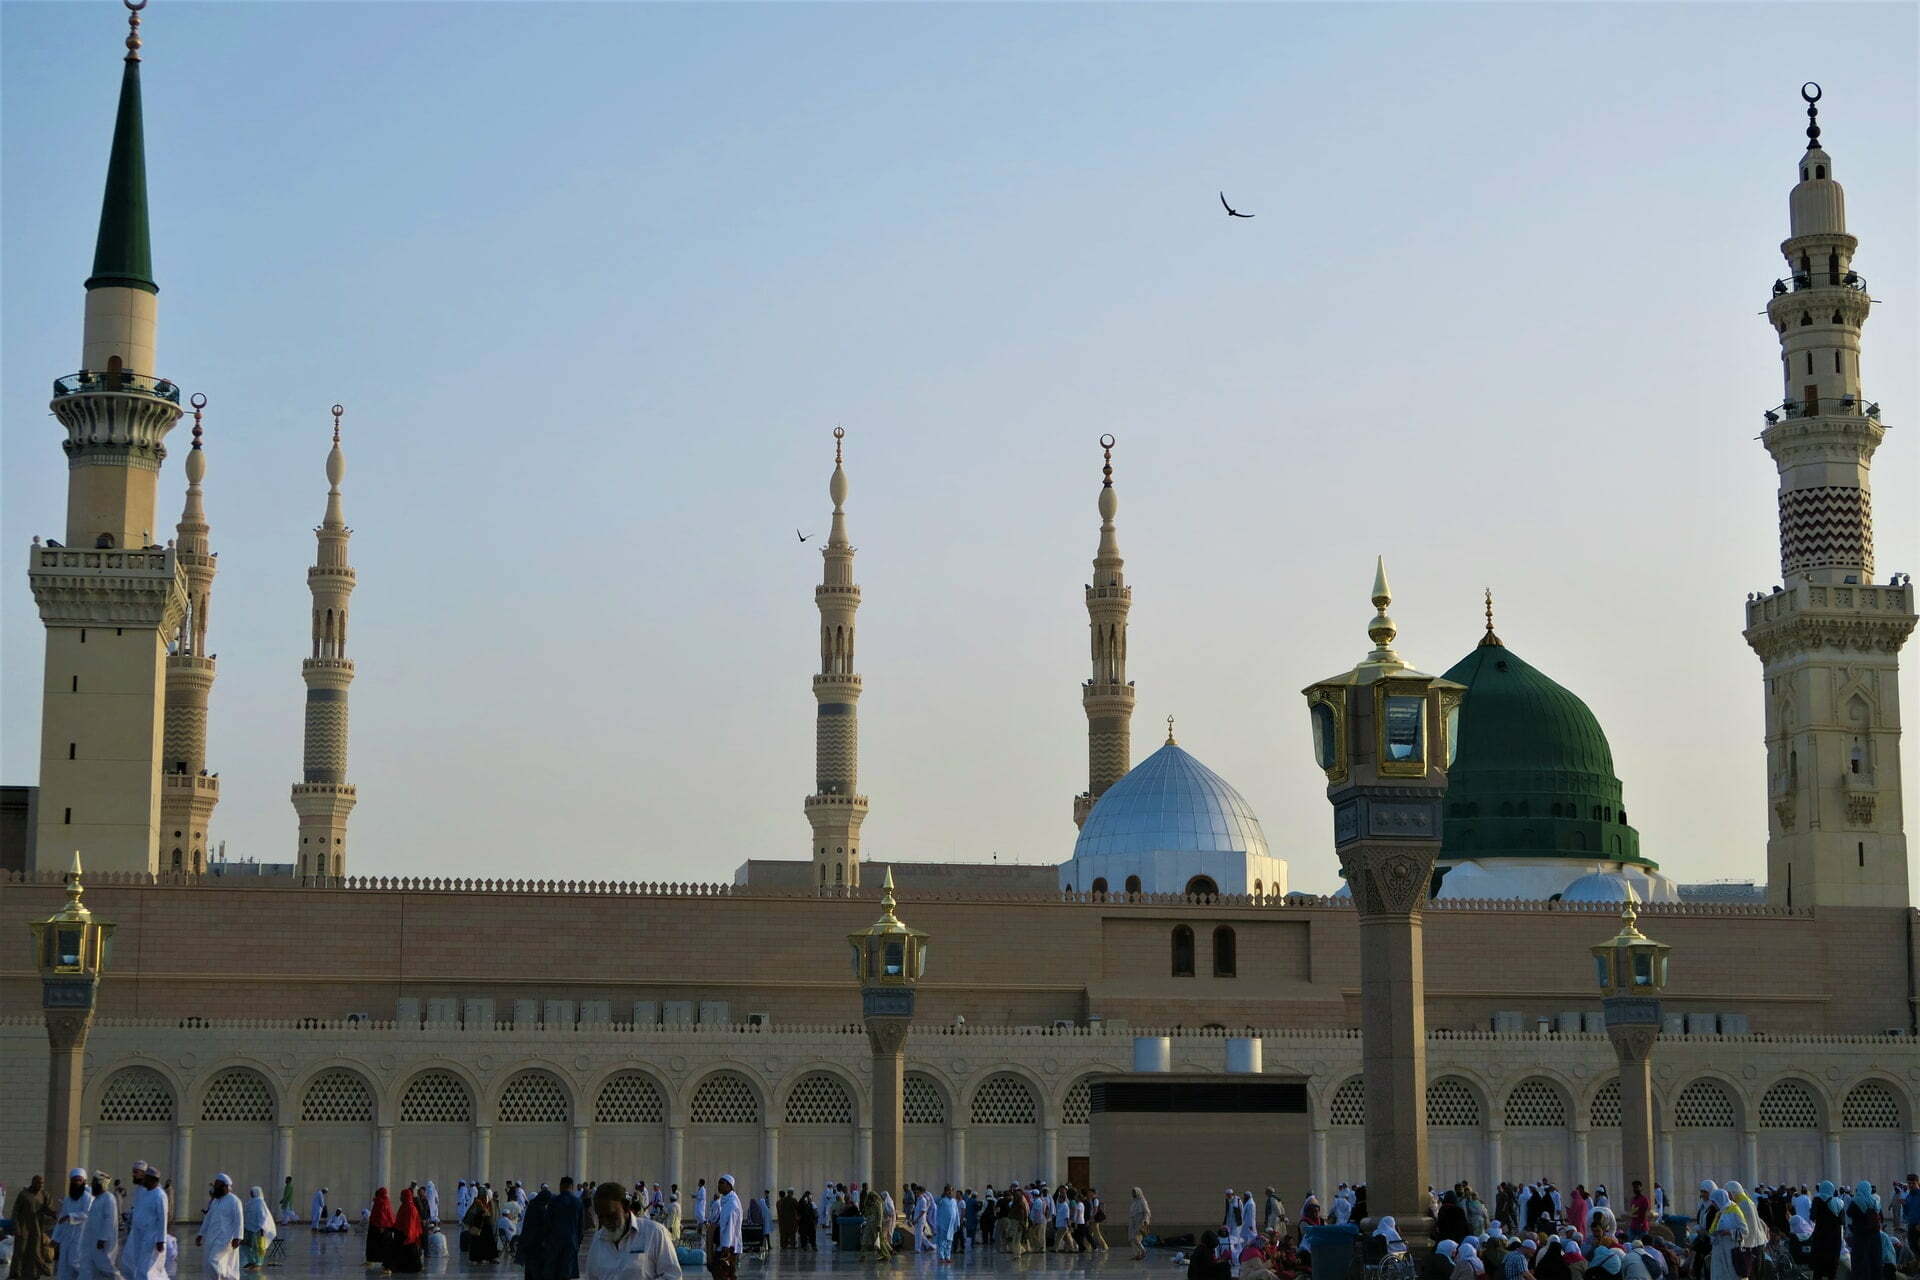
[
  {"x": 1389, "y": 879},
  {"x": 888, "y": 1036},
  {"x": 67, "y": 1028},
  {"x": 1633, "y": 1043}
]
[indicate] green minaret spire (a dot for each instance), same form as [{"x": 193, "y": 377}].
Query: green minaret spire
[{"x": 123, "y": 255}]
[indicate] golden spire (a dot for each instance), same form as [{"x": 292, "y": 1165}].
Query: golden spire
[
  {"x": 74, "y": 911},
  {"x": 1170, "y": 741},
  {"x": 1489, "y": 638},
  {"x": 1382, "y": 629},
  {"x": 887, "y": 902},
  {"x": 133, "y": 28}
]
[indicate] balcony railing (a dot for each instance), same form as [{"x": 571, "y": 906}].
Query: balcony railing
[
  {"x": 1821, "y": 280},
  {"x": 1830, "y": 406},
  {"x": 138, "y": 383}
]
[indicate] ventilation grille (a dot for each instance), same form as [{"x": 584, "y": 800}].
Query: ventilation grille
[
  {"x": 437, "y": 1097},
  {"x": 1703, "y": 1104},
  {"x": 1536, "y": 1104},
  {"x": 534, "y": 1097},
  {"x": 630, "y": 1098},
  {"x": 1074, "y": 1110},
  {"x": 1450, "y": 1103},
  {"x": 1004, "y": 1099},
  {"x": 238, "y": 1096},
  {"x": 922, "y": 1101},
  {"x": 1349, "y": 1105},
  {"x": 337, "y": 1097},
  {"x": 137, "y": 1095},
  {"x": 725, "y": 1097},
  {"x": 819, "y": 1098},
  {"x": 1789, "y": 1105},
  {"x": 1870, "y": 1105},
  {"x": 1606, "y": 1106}
]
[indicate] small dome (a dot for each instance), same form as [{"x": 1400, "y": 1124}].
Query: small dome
[
  {"x": 1601, "y": 886},
  {"x": 1171, "y": 803}
]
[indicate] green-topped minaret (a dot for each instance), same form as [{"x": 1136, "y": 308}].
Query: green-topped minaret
[
  {"x": 109, "y": 593},
  {"x": 123, "y": 254}
]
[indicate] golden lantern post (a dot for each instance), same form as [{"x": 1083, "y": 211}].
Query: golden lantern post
[
  {"x": 1385, "y": 734},
  {"x": 70, "y": 949},
  {"x": 1632, "y": 969},
  {"x": 888, "y": 959}
]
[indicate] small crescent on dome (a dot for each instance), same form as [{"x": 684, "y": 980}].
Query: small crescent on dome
[
  {"x": 1107, "y": 442},
  {"x": 338, "y": 410},
  {"x": 839, "y": 433},
  {"x": 135, "y": 8},
  {"x": 1810, "y": 97},
  {"x": 199, "y": 398}
]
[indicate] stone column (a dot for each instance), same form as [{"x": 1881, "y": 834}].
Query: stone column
[
  {"x": 577, "y": 1154},
  {"x": 957, "y": 1157},
  {"x": 1750, "y": 1147},
  {"x": 1389, "y": 882},
  {"x": 1317, "y": 1156},
  {"x": 66, "y": 1074},
  {"x": 1913, "y": 1151},
  {"x": 483, "y": 1152},
  {"x": 770, "y": 1161},
  {"x": 383, "y": 1156},
  {"x": 86, "y": 1149},
  {"x": 887, "y": 1035},
  {"x": 1050, "y": 1155},
  {"x": 866, "y": 1158},
  {"x": 1833, "y": 1148},
  {"x": 1495, "y": 1157},
  {"x": 1665, "y": 1170},
  {"x": 183, "y": 1194},
  {"x": 676, "y": 1159},
  {"x": 1633, "y": 1024},
  {"x": 282, "y": 1161},
  {"x": 1581, "y": 1174}
]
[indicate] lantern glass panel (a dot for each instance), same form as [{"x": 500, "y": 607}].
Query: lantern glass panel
[
  {"x": 1325, "y": 739},
  {"x": 1401, "y": 732},
  {"x": 896, "y": 960},
  {"x": 1453, "y": 733},
  {"x": 67, "y": 950},
  {"x": 1603, "y": 971},
  {"x": 1642, "y": 969}
]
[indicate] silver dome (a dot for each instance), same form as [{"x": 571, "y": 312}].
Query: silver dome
[{"x": 1171, "y": 803}]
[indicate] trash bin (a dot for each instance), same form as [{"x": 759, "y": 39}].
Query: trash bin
[
  {"x": 1332, "y": 1247},
  {"x": 846, "y": 1232}
]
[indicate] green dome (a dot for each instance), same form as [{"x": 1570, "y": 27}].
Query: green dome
[{"x": 1532, "y": 776}]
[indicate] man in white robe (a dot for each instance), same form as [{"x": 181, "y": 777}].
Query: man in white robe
[
  {"x": 433, "y": 1201},
  {"x": 727, "y": 1240},
  {"x": 136, "y": 1193},
  {"x": 222, "y": 1231},
  {"x": 145, "y": 1254},
  {"x": 100, "y": 1237},
  {"x": 319, "y": 1215},
  {"x": 700, "y": 1205},
  {"x": 71, "y": 1225}
]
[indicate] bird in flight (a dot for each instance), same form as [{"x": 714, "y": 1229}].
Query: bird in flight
[
  {"x": 802, "y": 536},
  {"x": 1231, "y": 211}
]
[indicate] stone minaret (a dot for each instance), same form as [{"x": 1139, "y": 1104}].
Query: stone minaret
[
  {"x": 836, "y": 808},
  {"x": 110, "y": 595},
  {"x": 323, "y": 797},
  {"x": 1829, "y": 636},
  {"x": 1108, "y": 696},
  {"x": 188, "y": 793}
]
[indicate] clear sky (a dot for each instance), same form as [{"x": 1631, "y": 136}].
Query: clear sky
[{"x": 595, "y": 282}]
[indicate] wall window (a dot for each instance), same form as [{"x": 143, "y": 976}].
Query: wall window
[
  {"x": 1224, "y": 952},
  {"x": 1182, "y": 951},
  {"x": 1133, "y": 884},
  {"x": 1100, "y": 885},
  {"x": 1202, "y": 887}
]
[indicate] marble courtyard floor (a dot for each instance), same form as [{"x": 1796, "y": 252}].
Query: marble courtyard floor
[{"x": 334, "y": 1257}]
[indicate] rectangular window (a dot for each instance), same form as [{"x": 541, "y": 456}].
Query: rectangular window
[
  {"x": 1863, "y": 853},
  {"x": 76, "y": 684},
  {"x": 69, "y": 818},
  {"x": 72, "y": 749},
  {"x": 83, "y": 635}
]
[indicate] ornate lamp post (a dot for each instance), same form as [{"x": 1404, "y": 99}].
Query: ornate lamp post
[
  {"x": 1632, "y": 969},
  {"x": 70, "y": 949},
  {"x": 888, "y": 959},
  {"x": 1384, "y": 734}
]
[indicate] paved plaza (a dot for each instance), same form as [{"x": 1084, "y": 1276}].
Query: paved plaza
[{"x": 336, "y": 1257}]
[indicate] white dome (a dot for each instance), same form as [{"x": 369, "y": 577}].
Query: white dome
[{"x": 1601, "y": 886}]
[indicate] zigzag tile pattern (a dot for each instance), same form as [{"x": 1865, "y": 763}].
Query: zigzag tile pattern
[{"x": 1826, "y": 527}]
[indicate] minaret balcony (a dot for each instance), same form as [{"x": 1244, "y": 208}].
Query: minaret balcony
[
  {"x": 1110, "y": 593},
  {"x": 1824, "y": 407},
  {"x": 837, "y": 680},
  {"x": 828, "y": 800},
  {"x": 848, "y": 592},
  {"x": 115, "y": 383},
  {"x": 193, "y": 784},
  {"x": 1804, "y": 616},
  {"x": 1820, "y": 280}
]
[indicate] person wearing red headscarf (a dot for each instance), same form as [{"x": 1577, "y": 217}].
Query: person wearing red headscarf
[
  {"x": 408, "y": 1236},
  {"x": 380, "y": 1224}
]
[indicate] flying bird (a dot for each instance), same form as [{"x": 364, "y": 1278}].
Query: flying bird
[
  {"x": 1231, "y": 211},
  {"x": 802, "y": 536}
]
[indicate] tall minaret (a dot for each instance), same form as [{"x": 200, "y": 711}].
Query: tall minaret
[
  {"x": 836, "y": 808},
  {"x": 1829, "y": 636},
  {"x": 110, "y": 595},
  {"x": 1108, "y": 696},
  {"x": 188, "y": 793},
  {"x": 323, "y": 797}
]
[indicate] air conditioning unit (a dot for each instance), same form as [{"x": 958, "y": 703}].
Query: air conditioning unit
[{"x": 759, "y": 1019}]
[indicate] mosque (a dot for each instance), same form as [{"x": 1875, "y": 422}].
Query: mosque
[{"x": 458, "y": 1029}]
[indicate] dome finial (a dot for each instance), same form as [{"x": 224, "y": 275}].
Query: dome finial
[
  {"x": 337, "y": 411},
  {"x": 1170, "y": 740},
  {"x": 1490, "y": 638},
  {"x": 1810, "y": 94},
  {"x": 199, "y": 403},
  {"x": 1106, "y": 471},
  {"x": 839, "y": 434},
  {"x": 133, "y": 28}
]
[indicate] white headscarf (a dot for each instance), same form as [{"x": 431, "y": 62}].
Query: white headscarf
[
  {"x": 1863, "y": 1197},
  {"x": 259, "y": 1216},
  {"x": 1385, "y": 1229}
]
